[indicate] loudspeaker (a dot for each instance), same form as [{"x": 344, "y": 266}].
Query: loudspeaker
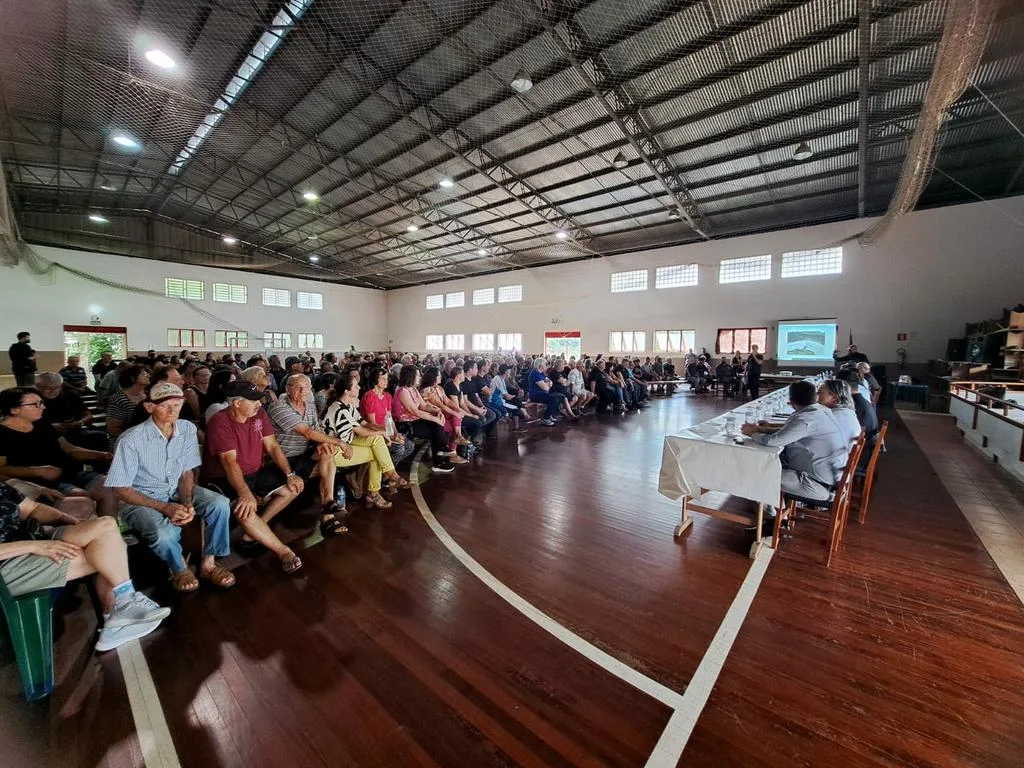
[
  {"x": 956, "y": 350},
  {"x": 975, "y": 349}
]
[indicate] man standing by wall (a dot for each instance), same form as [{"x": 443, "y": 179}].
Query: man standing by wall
[{"x": 23, "y": 360}]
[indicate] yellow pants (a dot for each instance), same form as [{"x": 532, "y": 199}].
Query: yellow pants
[{"x": 368, "y": 450}]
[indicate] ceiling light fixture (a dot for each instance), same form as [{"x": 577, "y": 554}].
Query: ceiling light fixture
[
  {"x": 161, "y": 59},
  {"x": 521, "y": 83},
  {"x": 98, "y": 219},
  {"x": 482, "y": 252},
  {"x": 314, "y": 258},
  {"x": 446, "y": 182},
  {"x": 561, "y": 234},
  {"x": 108, "y": 186},
  {"x": 620, "y": 161},
  {"x": 230, "y": 240},
  {"x": 314, "y": 236},
  {"x": 803, "y": 152},
  {"x": 125, "y": 140},
  {"x": 310, "y": 195},
  {"x": 412, "y": 228}
]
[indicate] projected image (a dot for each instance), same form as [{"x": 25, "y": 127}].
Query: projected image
[{"x": 806, "y": 341}]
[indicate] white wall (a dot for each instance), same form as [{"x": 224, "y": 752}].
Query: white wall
[
  {"x": 933, "y": 271},
  {"x": 351, "y": 316}
]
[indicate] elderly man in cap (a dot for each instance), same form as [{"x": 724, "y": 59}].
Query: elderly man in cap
[
  {"x": 236, "y": 440},
  {"x": 153, "y": 477}
]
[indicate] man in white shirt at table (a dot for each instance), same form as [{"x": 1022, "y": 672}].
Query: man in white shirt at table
[{"x": 812, "y": 446}]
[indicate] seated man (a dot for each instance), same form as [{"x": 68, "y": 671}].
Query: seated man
[
  {"x": 236, "y": 439},
  {"x": 727, "y": 378},
  {"x": 698, "y": 373},
  {"x": 153, "y": 476},
  {"x": 869, "y": 382},
  {"x": 813, "y": 446},
  {"x": 307, "y": 446},
  {"x": 31, "y": 449},
  {"x": 472, "y": 400},
  {"x": 75, "y": 549},
  {"x": 74, "y": 376},
  {"x": 66, "y": 412}
]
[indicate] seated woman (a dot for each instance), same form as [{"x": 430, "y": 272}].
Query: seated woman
[
  {"x": 578, "y": 386},
  {"x": 200, "y": 386},
  {"x": 132, "y": 381},
  {"x": 343, "y": 421},
  {"x": 540, "y": 392},
  {"x": 30, "y": 449},
  {"x": 260, "y": 379},
  {"x": 423, "y": 420},
  {"x": 835, "y": 395},
  {"x": 219, "y": 379},
  {"x": 74, "y": 550},
  {"x": 440, "y": 397},
  {"x": 376, "y": 409}
]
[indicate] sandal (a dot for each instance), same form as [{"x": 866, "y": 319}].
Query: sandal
[
  {"x": 331, "y": 526},
  {"x": 291, "y": 564},
  {"x": 219, "y": 577},
  {"x": 399, "y": 482},
  {"x": 184, "y": 582},
  {"x": 378, "y": 501}
]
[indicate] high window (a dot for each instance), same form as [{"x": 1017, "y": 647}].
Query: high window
[
  {"x": 821, "y": 261},
  {"x": 435, "y": 342},
  {"x": 455, "y": 299},
  {"x": 674, "y": 341},
  {"x": 483, "y": 342},
  {"x": 311, "y": 341},
  {"x": 455, "y": 342},
  {"x": 483, "y": 296},
  {"x": 179, "y": 288},
  {"x": 277, "y": 297},
  {"x": 277, "y": 340},
  {"x": 509, "y": 293},
  {"x": 510, "y": 342},
  {"x": 185, "y": 338},
  {"x": 231, "y": 339},
  {"x": 435, "y": 301},
  {"x": 745, "y": 270},
  {"x": 230, "y": 293},
  {"x": 305, "y": 300},
  {"x": 740, "y": 340},
  {"x": 627, "y": 341},
  {"x": 634, "y": 280},
  {"x": 675, "y": 276}
]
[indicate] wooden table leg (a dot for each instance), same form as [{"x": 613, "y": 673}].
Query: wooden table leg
[
  {"x": 686, "y": 522},
  {"x": 758, "y": 541}
]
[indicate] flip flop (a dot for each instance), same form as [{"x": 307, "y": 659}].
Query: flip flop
[{"x": 291, "y": 564}]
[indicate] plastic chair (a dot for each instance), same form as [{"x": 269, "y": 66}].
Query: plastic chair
[{"x": 30, "y": 623}]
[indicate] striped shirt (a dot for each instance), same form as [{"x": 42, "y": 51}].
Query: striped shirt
[
  {"x": 151, "y": 463},
  {"x": 75, "y": 376},
  {"x": 285, "y": 420},
  {"x": 341, "y": 420}
]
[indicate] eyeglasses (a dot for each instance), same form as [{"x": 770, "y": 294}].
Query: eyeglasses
[{"x": 35, "y": 404}]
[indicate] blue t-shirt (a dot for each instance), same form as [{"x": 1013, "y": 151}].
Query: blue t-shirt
[{"x": 536, "y": 376}]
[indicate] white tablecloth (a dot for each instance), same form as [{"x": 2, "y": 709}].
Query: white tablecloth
[{"x": 702, "y": 456}]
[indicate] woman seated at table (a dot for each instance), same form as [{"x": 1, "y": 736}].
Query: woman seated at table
[{"x": 835, "y": 395}]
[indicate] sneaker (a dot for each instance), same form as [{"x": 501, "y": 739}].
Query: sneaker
[
  {"x": 547, "y": 422},
  {"x": 458, "y": 460},
  {"x": 446, "y": 466},
  {"x": 138, "y": 609},
  {"x": 112, "y": 637}
]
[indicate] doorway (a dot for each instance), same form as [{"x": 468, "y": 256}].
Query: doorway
[
  {"x": 563, "y": 344},
  {"x": 88, "y": 342}
]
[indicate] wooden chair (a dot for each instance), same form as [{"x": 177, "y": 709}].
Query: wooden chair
[
  {"x": 868, "y": 479},
  {"x": 838, "y": 505}
]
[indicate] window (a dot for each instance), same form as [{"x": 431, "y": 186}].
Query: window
[
  {"x": 231, "y": 339},
  {"x": 483, "y": 296},
  {"x": 676, "y": 276},
  {"x": 507, "y": 293},
  {"x": 821, "y": 261},
  {"x": 179, "y": 288},
  {"x": 745, "y": 269},
  {"x": 510, "y": 342},
  {"x": 305, "y": 300},
  {"x": 435, "y": 301},
  {"x": 455, "y": 342},
  {"x": 185, "y": 338},
  {"x": 232, "y": 294},
  {"x": 311, "y": 340},
  {"x": 733, "y": 340},
  {"x": 435, "y": 342},
  {"x": 635, "y": 280},
  {"x": 483, "y": 342},
  {"x": 675, "y": 341},
  {"x": 277, "y": 340},
  {"x": 627, "y": 341},
  {"x": 277, "y": 297},
  {"x": 563, "y": 344},
  {"x": 456, "y": 299}
]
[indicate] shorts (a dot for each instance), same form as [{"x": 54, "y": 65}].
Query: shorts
[
  {"x": 72, "y": 481},
  {"x": 30, "y": 573},
  {"x": 303, "y": 464},
  {"x": 264, "y": 482}
]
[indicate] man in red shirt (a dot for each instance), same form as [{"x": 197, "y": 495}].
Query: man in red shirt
[{"x": 233, "y": 458}]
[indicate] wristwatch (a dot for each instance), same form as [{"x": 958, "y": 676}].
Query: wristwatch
[{"x": 291, "y": 474}]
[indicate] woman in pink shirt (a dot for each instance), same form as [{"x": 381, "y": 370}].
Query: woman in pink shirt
[
  {"x": 376, "y": 405},
  {"x": 424, "y": 419}
]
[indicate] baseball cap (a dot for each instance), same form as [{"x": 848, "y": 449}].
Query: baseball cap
[
  {"x": 242, "y": 388},
  {"x": 165, "y": 391}
]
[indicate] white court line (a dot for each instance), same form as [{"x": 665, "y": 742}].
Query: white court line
[
  {"x": 590, "y": 651},
  {"x": 150, "y": 724},
  {"x": 677, "y": 732}
]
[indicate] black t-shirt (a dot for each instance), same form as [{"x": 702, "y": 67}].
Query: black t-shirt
[
  {"x": 452, "y": 389},
  {"x": 599, "y": 378},
  {"x": 472, "y": 392},
  {"x": 38, "y": 448},
  {"x": 754, "y": 365},
  {"x": 67, "y": 406},
  {"x": 101, "y": 369},
  {"x": 20, "y": 352}
]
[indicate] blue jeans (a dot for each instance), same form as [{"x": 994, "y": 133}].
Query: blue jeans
[
  {"x": 164, "y": 537},
  {"x": 553, "y": 401}
]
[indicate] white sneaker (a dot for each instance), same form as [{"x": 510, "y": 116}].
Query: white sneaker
[
  {"x": 138, "y": 609},
  {"x": 112, "y": 637}
]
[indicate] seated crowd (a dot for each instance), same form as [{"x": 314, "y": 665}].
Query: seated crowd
[{"x": 211, "y": 439}]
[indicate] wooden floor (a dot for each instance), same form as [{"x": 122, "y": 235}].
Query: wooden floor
[{"x": 386, "y": 651}]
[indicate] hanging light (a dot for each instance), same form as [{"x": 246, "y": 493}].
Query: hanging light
[
  {"x": 446, "y": 182},
  {"x": 561, "y": 234},
  {"x": 803, "y": 152},
  {"x": 412, "y": 228},
  {"x": 482, "y": 252},
  {"x": 314, "y": 258},
  {"x": 229, "y": 240},
  {"x": 310, "y": 195},
  {"x": 96, "y": 218},
  {"x": 620, "y": 161},
  {"x": 521, "y": 83},
  {"x": 161, "y": 59}
]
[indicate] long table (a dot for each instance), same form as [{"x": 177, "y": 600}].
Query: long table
[{"x": 703, "y": 458}]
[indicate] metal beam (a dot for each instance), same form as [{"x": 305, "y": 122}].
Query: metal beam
[{"x": 863, "y": 100}]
